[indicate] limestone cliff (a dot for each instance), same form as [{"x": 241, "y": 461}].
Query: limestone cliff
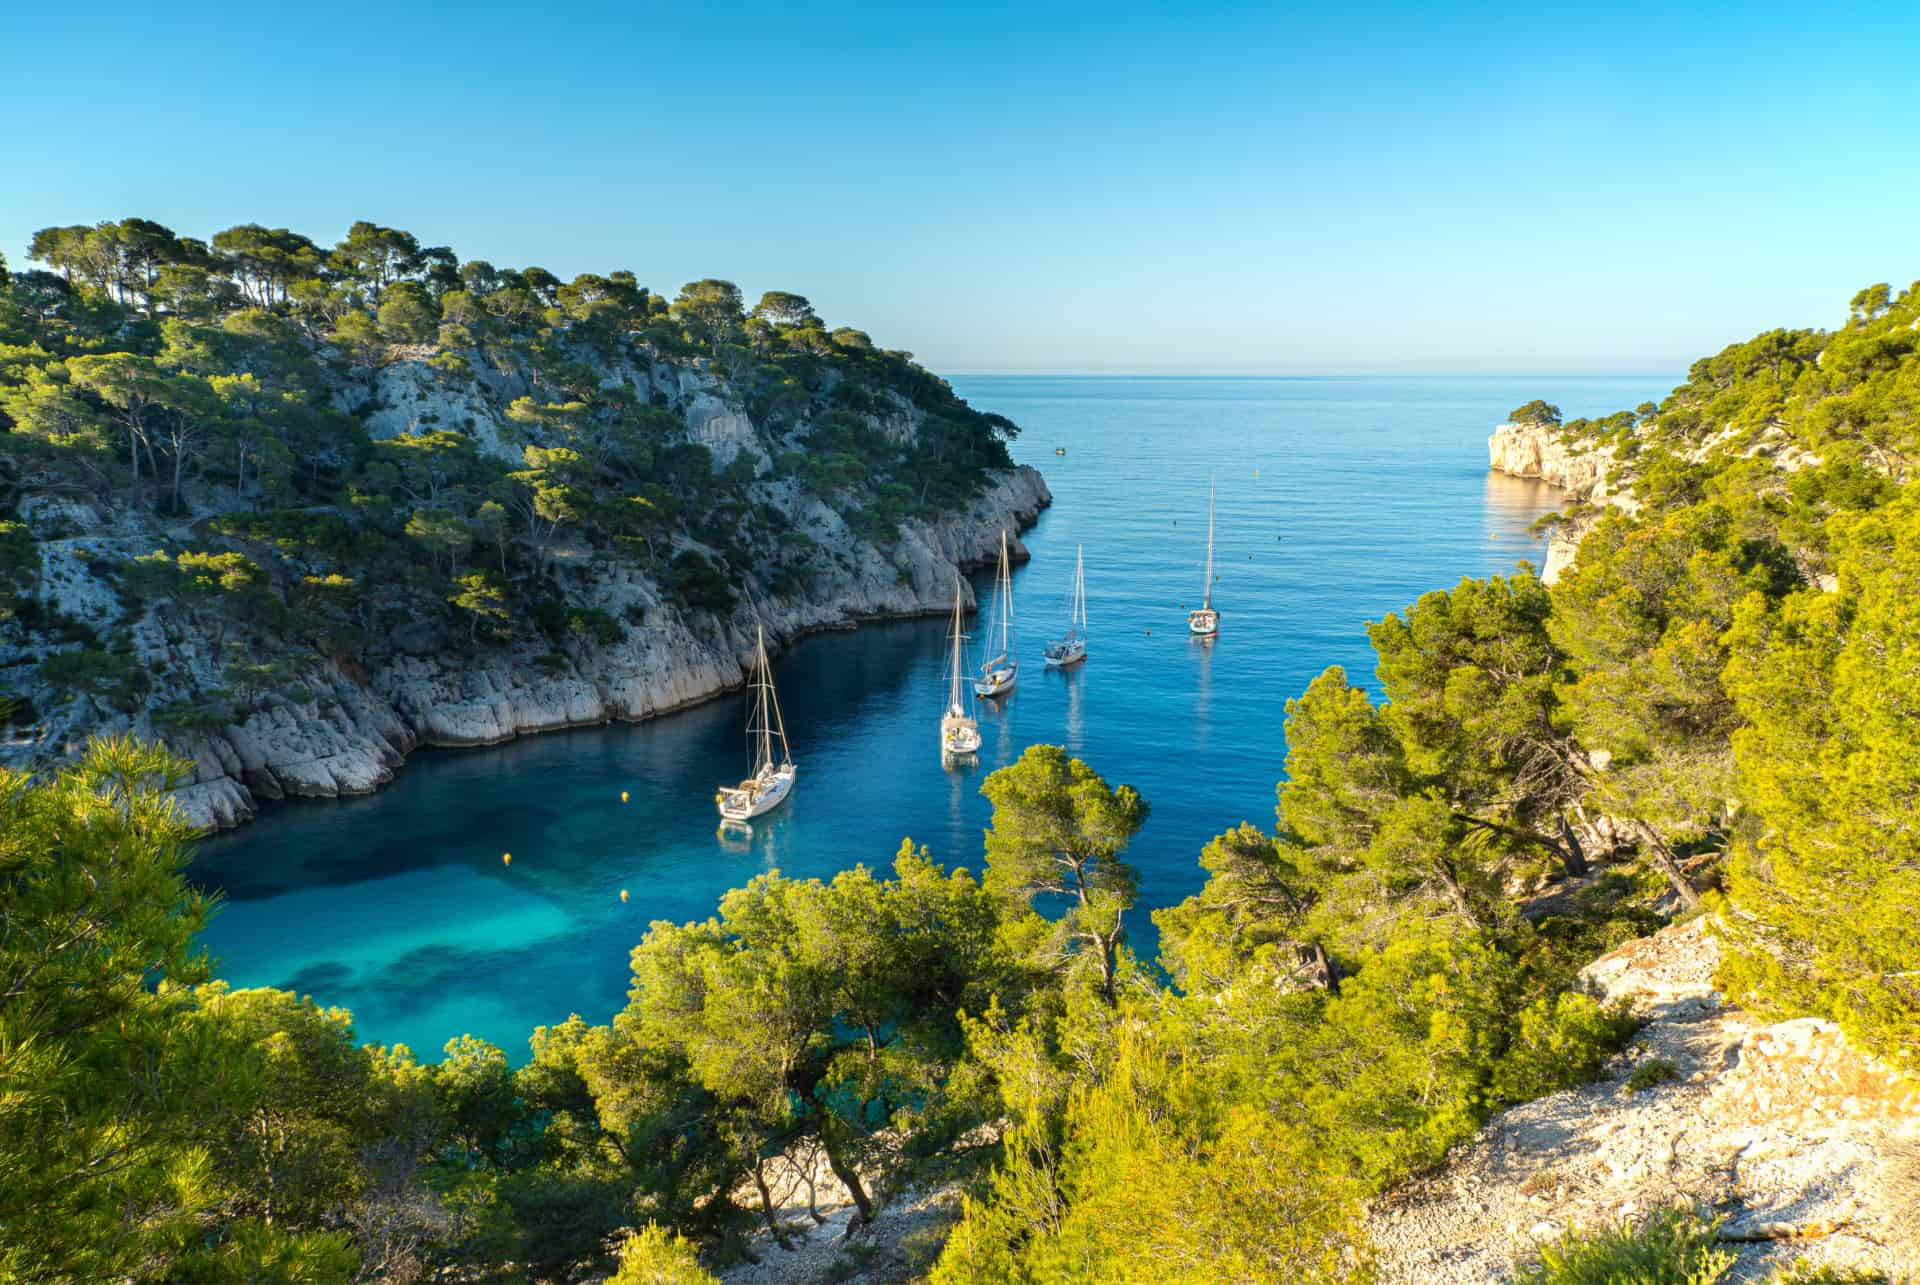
[
  {"x": 1599, "y": 475},
  {"x": 1586, "y": 470},
  {"x": 806, "y": 559}
]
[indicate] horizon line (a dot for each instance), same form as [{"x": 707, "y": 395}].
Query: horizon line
[{"x": 1361, "y": 374}]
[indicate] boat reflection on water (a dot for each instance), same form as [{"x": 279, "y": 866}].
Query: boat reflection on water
[
  {"x": 1076, "y": 730},
  {"x": 1202, "y": 648},
  {"x": 764, "y": 836}
]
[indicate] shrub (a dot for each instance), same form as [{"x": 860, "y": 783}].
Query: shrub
[
  {"x": 1675, "y": 1247},
  {"x": 596, "y": 625},
  {"x": 1653, "y": 1071},
  {"x": 1803, "y": 1273},
  {"x": 656, "y": 1256},
  {"x": 1558, "y": 1041},
  {"x": 110, "y": 675},
  {"x": 701, "y": 584}
]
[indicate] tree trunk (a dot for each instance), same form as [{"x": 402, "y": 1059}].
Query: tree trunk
[
  {"x": 1109, "y": 966},
  {"x": 766, "y": 1207},
  {"x": 1456, "y": 893},
  {"x": 1572, "y": 855},
  {"x": 1669, "y": 864},
  {"x": 850, "y": 1179},
  {"x": 1321, "y": 958}
]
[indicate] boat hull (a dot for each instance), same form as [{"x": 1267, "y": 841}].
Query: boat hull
[
  {"x": 1204, "y": 623},
  {"x": 997, "y": 683},
  {"x": 959, "y": 735},
  {"x": 739, "y": 804},
  {"x": 1061, "y": 655}
]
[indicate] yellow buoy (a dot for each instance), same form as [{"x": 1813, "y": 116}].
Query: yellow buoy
[
  {"x": 506, "y": 858},
  {"x": 623, "y": 894},
  {"x": 623, "y": 796}
]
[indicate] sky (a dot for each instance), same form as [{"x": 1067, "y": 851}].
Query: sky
[{"x": 1249, "y": 189}]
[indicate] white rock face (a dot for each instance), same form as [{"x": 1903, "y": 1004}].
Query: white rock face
[
  {"x": 357, "y": 731},
  {"x": 1537, "y": 450},
  {"x": 1588, "y": 472},
  {"x": 1786, "y": 1124},
  {"x": 724, "y": 431}
]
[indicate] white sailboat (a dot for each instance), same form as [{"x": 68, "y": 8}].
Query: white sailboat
[
  {"x": 1072, "y": 649},
  {"x": 770, "y": 783},
  {"x": 997, "y": 675},
  {"x": 1205, "y": 621},
  {"x": 959, "y": 732}
]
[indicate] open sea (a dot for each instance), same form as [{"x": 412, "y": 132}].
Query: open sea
[{"x": 1339, "y": 499}]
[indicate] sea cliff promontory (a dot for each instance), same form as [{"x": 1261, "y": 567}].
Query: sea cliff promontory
[{"x": 295, "y": 511}]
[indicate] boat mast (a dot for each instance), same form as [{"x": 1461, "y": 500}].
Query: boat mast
[
  {"x": 1207, "y": 602},
  {"x": 767, "y": 705},
  {"x": 1006, "y": 594},
  {"x": 953, "y": 701},
  {"x": 1079, "y": 590}
]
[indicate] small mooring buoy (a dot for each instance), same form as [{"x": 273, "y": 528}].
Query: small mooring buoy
[
  {"x": 623, "y": 796},
  {"x": 623, "y": 895},
  {"x": 506, "y": 858}
]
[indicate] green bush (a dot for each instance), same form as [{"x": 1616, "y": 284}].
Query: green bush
[
  {"x": 655, "y": 1255},
  {"x": 111, "y": 676},
  {"x": 1558, "y": 1041},
  {"x": 701, "y": 584},
  {"x": 1675, "y": 1247},
  {"x": 596, "y": 625},
  {"x": 1803, "y": 1273},
  {"x": 1653, "y": 1071}
]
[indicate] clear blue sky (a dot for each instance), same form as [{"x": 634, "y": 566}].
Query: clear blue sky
[{"x": 1341, "y": 188}]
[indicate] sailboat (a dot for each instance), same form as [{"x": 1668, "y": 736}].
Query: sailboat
[
  {"x": 1072, "y": 649},
  {"x": 997, "y": 675},
  {"x": 959, "y": 733},
  {"x": 1205, "y": 621},
  {"x": 770, "y": 783}
]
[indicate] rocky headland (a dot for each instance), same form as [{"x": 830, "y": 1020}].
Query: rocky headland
[{"x": 344, "y": 724}]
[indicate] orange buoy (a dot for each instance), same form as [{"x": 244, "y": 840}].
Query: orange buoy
[
  {"x": 623, "y": 895},
  {"x": 623, "y": 796},
  {"x": 506, "y": 858}
]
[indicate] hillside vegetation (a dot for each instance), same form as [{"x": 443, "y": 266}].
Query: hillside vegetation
[
  {"x": 1689, "y": 719},
  {"x": 237, "y": 474}
]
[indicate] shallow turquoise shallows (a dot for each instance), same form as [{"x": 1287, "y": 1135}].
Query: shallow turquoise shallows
[{"x": 1339, "y": 500}]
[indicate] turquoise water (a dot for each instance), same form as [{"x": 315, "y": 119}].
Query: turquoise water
[{"x": 1339, "y": 500}]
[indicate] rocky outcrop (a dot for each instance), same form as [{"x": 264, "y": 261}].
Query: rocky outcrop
[
  {"x": 810, "y": 561},
  {"x": 354, "y": 730},
  {"x": 1806, "y": 1146},
  {"x": 1588, "y": 472}
]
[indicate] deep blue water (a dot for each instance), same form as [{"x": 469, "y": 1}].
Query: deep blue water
[{"x": 1339, "y": 500}]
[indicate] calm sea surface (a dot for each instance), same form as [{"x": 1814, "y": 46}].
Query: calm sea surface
[{"x": 1339, "y": 500}]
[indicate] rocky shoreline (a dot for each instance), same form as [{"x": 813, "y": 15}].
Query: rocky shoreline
[
  {"x": 1590, "y": 474},
  {"x": 357, "y": 731}
]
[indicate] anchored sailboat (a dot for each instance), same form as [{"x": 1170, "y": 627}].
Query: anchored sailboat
[
  {"x": 997, "y": 675},
  {"x": 1072, "y": 649},
  {"x": 1205, "y": 621},
  {"x": 959, "y": 733},
  {"x": 767, "y": 788}
]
